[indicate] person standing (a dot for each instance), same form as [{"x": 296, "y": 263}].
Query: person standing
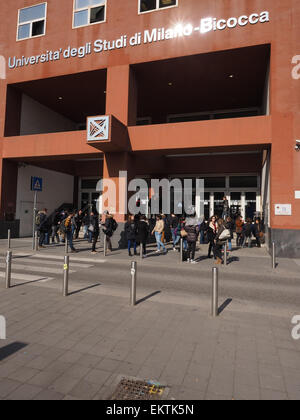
[
  {"x": 69, "y": 230},
  {"x": 55, "y": 227},
  {"x": 219, "y": 242},
  {"x": 211, "y": 236},
  {"x": 192, "y": 230},
  {"x": 94, "y": 229},
  {"x": 239, "y": 231},
  {"x": 248, "y": 230},
  {"x": 225, "y": 208},
  {"x": 143, "y": 234},
  {"x": 258, "y": 232},
  {"x": 174, "y": 225},
  {"x": 131, "y": 234},
  {"x": 78, "y": 218},
  {"x": 230, "y": 226},
  {"x": 110, "y": 226},
  {"x": 42, "y": 226},
  {"x": 158, "y": 230}
]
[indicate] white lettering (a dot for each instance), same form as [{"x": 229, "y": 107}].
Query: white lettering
[
  {"x": 98, "y": 46},
  {"x": 264, "y": 17},
  {"x": 221, "y": 25},
  {"x": 253, "y": 19},
  {"x": 149, "y": 38},
  {"x": 243, "y": 20},
  {"x": 206, "y": 25},
  {"x": 232, "y": 22}
]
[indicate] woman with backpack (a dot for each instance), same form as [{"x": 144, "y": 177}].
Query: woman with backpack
[{"x": 110, "y": 226}]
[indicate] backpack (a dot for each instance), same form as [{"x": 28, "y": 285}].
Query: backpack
[
  {"x": 114, "y": 225},
  {"x": 38, "y": 219}
]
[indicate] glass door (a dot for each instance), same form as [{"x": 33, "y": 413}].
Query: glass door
[
  {"x": 218, "y": 203},
  {"x": 235, "y": 204},
  {"x": 250, "y": 205}
]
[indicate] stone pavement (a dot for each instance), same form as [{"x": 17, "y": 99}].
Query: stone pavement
[{"x": 76, "y": 347}]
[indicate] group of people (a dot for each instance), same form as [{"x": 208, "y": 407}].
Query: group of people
[
  {"x": 215, "y": 232},
  {"x": 65, "y": 226},
  {"x": 138, "y": 230}
]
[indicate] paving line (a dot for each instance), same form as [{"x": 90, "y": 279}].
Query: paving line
[
  {"x": 29, "y": 277},
  {"x": 60, "y": 257},
  {"x": 22, "y": 267},
  {"x": 47, "y": 262}
]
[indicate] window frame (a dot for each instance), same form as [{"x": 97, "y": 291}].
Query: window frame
[
  {"x": 89, "y": 14},
  {"x": 158, "y": 9},
  {"x": 31, "y": 22}
]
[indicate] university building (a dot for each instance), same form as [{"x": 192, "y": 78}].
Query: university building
[{"x": 157, "y": 88}]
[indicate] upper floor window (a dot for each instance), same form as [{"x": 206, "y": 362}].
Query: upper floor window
[
  {"x": 32, "y": 21},
  {"x": 88, "y": 12},
  {"x": 150, "y": 5}
]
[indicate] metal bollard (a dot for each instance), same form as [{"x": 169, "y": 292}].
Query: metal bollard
[
  {"x": 141, "y": 251},
  {"x": 225, "y": 253},
  {"x": 273, "y": 255},
  {"x": 104, "y": 245},
  {"x": 133, "y": 283},
  {"x": 36, "y": 242},
  {"x": 8, "y": 239},
  {"x": 66, "y": 276},
  {"x": 66, "y": 245},
  {"x": 181, "y": 250},
  {"x": 215, "y": 293},
  {"x": 8, "y": 269}
]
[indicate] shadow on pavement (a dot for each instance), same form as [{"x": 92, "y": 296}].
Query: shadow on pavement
[
  {"x": 224, "y": 305},
  {"x": 11, "y": 349},
  {"x": 148, "y": 297},
  {"x": 84, "y": 289},
  {"x": 28, "y": 282}
]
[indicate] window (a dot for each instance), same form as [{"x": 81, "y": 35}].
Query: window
[
  {"x": 32, "y": 21},
  {"x": 88, "y": 12},
  {"x": 150, "y": 5}
]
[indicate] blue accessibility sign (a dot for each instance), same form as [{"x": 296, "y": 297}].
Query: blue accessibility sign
[{"x": 36, "y": 184}]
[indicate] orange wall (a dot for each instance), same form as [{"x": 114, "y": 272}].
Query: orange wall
[{"x": 280, "y": 130}]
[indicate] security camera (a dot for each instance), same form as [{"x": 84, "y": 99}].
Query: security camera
[{"x": 297, "y": 146}]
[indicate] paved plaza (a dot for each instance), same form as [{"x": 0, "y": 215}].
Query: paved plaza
[{"x": 77, "y": 347}]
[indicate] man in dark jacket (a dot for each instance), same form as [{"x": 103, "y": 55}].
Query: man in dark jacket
[
  {"x": 131, "y": 230},
  {"x": 94, "y": 229},
  {"x": 174, "y": 225},
  {"x": 143, "y": 230},
  {"x": 42, "y": 226},
  {"x": 248, "y": 231},
  {"x": 78, "y": 219},
  {"x": 55, "y": 227}
]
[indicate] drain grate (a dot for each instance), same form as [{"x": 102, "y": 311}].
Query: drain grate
[{"x": 136, "y": 389}]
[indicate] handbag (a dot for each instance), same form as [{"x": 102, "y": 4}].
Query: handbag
[
  {"x": 91, "y": 228},
  {"x": 183, "y": 233},
  {"x": 225, "y": 235}
]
